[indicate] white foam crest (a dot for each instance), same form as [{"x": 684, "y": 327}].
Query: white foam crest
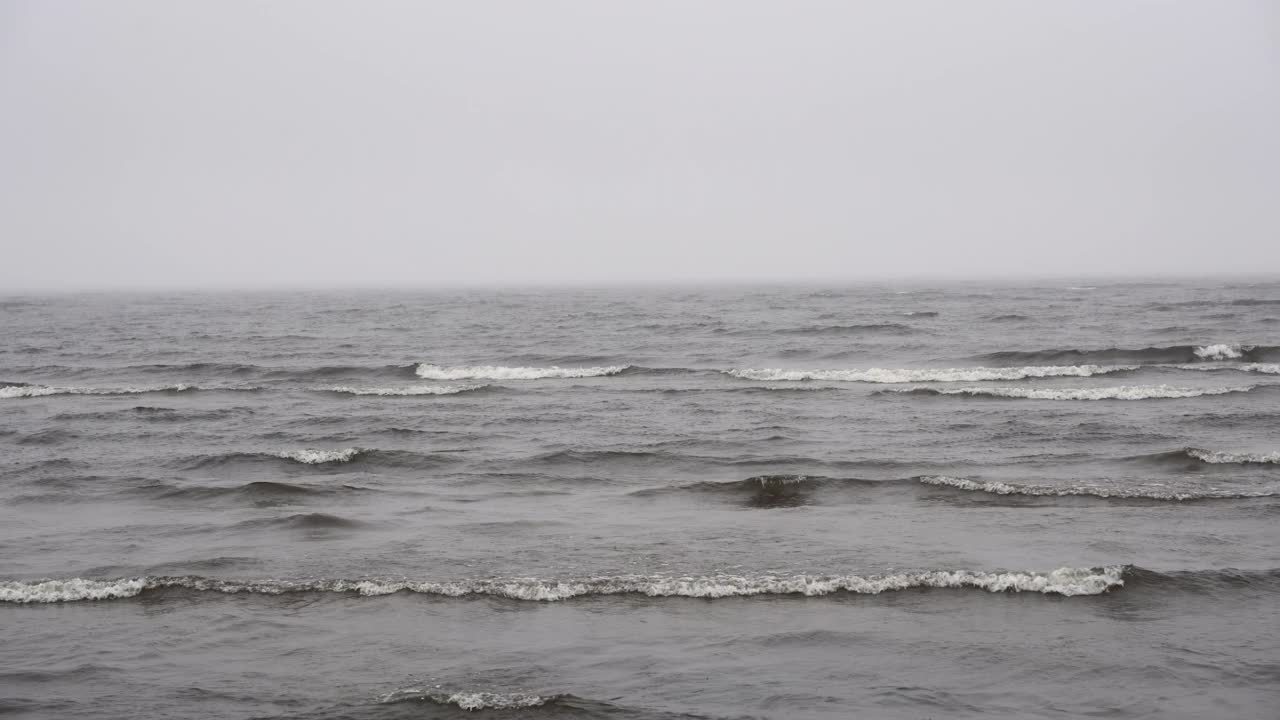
[
  {"x": 51, "y": 591},
  {"x": 1063, "y": 581},
  {"x": 26, "y": 391},
  {"x": 1266, "y": 368},
  {"x": 901, "y": 375},
  {"x": 318, "y": 457},
  {"x": 1224, "y": 458},
  {"x": 1221, "y": 351},
  {"x": 499, "y": 372},
  {"x": 468, "y": 700},
  {"x": 404, "y": 391},
  {"x": 1123, "y": 392},
  {"x": 1131, "y": 493}
]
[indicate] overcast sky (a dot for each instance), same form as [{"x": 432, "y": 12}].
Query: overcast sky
[{"x": 236, "y": 143}]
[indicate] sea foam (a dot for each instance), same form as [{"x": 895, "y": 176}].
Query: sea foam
[
  {"x": 319, "y": 457},
  {"x": 468, "y": 700},
  {"x": 498, "y": 372},
  {"x": 891, "y": 375},
  {"x": 1222, "y": 351},
  {"x": 27, "y": 391},
  {"x": 1265, "y": 368},
  {"x": 1123, "y": 392},
  {"x": 1222, "y": 458},
  {"x": 1134, "y": 492},
  {"x": 1063, "y": 581},
  {"x": 403, "y": 391}
]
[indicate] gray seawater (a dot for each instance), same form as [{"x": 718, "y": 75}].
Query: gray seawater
[{"x": 872, "y": 501}]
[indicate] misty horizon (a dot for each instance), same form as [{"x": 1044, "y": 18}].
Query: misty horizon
[{"x": 297, "y": 145}]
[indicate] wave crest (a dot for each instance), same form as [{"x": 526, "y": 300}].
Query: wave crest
[
  {"x": 891, "y": 375},
  {"x": 473, "y": 700},
  {"x": 1139, "y": 356},
  {"x": 995, "y": 487},
  {"x": 1221, "y": 351},
  {"x": 1218, "y": 458},
  {"x": 28, "y": 391},
  {"x": 1123, "y": 392},
  {"x": 1063, "y": 581},
  {"x": 403, "y": 391},
  {"x": 499, "y": 372},
  {"x": 308, "y": 456}
]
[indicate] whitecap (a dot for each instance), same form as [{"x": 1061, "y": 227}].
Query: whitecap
[
  {"x": 26, "y": 391},
  {"x": 319, "y": 457},
  {"x": 1123, "y": 392},
  {"x": 1063, "y": 581},
  {"x": 1266, "y": 368},
  {"x": 498, "y": 372},
  {"x": 1221, "y": 351},
  {"x": 995, "y": 487},
  {"x": 890, "y": 375},
  {"x": 403, "y": 391},
  {"x": 468, "y": 700},
  {"x": 1216, "y": 457}
]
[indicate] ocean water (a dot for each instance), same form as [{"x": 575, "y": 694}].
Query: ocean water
[{"x": 881, "y": 501}]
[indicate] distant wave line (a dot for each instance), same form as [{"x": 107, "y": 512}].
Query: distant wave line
[
  {"x": 1123, "y": 392},
  {"x": 1063, "y": 581}
]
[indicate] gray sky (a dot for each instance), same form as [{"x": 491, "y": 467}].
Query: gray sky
[{"x": 235, "y": 143}]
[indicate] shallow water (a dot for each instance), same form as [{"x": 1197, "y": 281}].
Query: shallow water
[{"x": 962, "y": 501}]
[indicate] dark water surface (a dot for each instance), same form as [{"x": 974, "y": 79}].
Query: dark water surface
[{"x": 878, "y": 501}]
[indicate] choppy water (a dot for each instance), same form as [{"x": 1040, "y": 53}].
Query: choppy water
[{"x": 890, "y": 502}]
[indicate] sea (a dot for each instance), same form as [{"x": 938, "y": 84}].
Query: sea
[{"x": 876, "y": 500}]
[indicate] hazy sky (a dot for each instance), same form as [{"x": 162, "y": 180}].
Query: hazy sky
[{"x": 421, "y": 143}]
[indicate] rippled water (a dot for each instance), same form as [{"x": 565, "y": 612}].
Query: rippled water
[{"x": 898, "y": 502}]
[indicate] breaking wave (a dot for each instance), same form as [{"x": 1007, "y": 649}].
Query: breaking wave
[
  {"x": 1141, "y": 356},
  {"x": 1123, "y": 392},
  {"x": 403, "y": 391},
  {"x": 1266, "y": 368},
  {"x": 322, "y": 458},
  {"x": 890, "y": 375},
  {"x": 1063, "y": 581},
  {"x": 498, "y": 372},
  {"x": 1220, "y": 458},
  {"x": 995, "y": 487},
  {"x": 28, "y": 391},
  {"x": 469, "y": 700},
  {"x": 319, "y": 457}
]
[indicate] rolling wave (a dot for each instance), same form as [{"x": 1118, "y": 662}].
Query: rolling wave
[
  {"x": 259, "y": 490},
  {"x": 1125, "y": 493},
  {"x": 774, "y": 491},
  {"x": 322, "y": 458},
  {"x": 1215, "y": 457},
  {"x": 1063, "y": 581},
  {"x": 498, "y": 372},
  {"x": 765, "y": 490},
  {"x": 1141, "y": 356},
  {"x": 889, "y": 375},
  {"x": 1123, "y": 392},
  {"x": 29, "y": 391},
  {"x": 303, "y": 521},
  {"x": 319, "y": 457},
  {"x": 889, "y": 328},
  {"x": 1266, "y": 368},
  {"x": 402, "y": 391},
  {"x": 470, "y": 700}
]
